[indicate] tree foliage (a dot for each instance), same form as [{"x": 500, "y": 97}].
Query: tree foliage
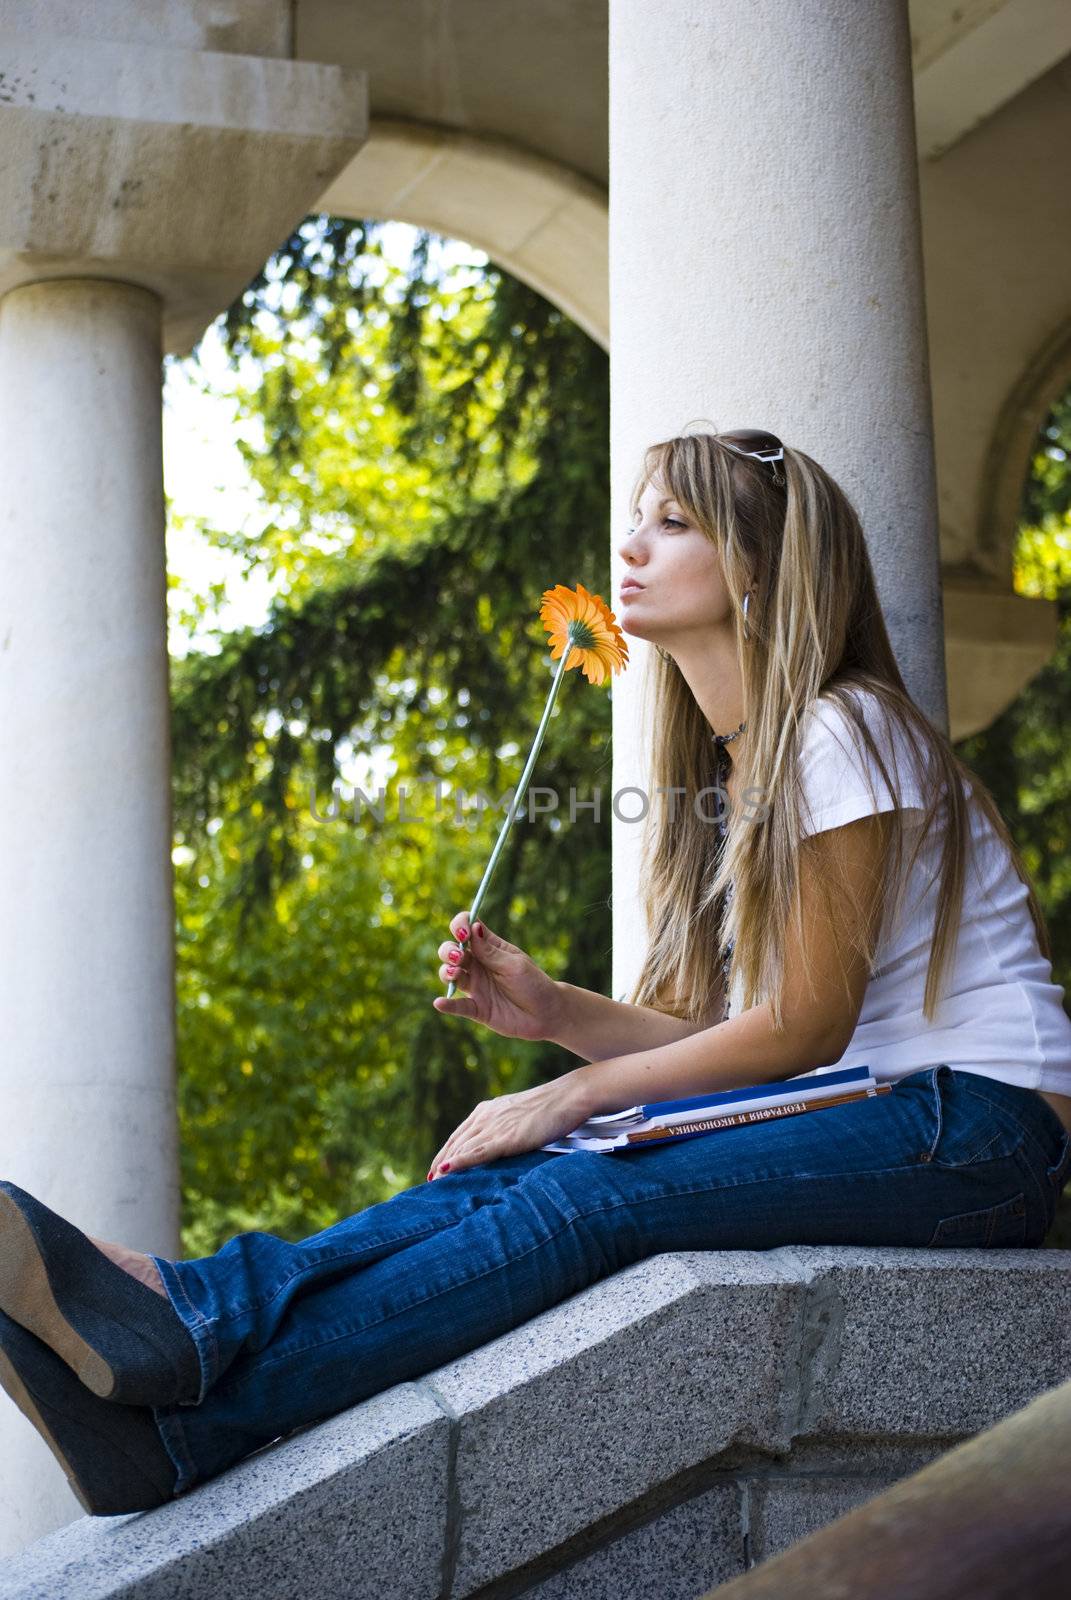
[
  {"x": 433, "y": 454},
  {"x": 1023, "y": 756}
]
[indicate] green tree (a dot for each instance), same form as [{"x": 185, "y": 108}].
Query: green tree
[
  {"x": 1023, "y": 755},
  {"x": 432, "y": 451},
  {"x": 433, "y": 455}
]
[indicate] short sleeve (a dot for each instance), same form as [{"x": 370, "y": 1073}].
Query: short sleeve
[{"x": 835, "y": 766}]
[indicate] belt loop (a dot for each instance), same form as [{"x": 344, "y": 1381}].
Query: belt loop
[{"x": 936, "y": 1087}]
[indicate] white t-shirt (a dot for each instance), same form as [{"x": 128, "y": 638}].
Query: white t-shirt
[{"x": 999, "y": 1013}]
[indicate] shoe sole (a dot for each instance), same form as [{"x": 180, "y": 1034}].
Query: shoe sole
[
  {"x": 26, "y": 1295},
  {"x": 89, "y": 1444},
  {"x": 22, "y": 1397},
  {"x": 123, "y": 1341}
]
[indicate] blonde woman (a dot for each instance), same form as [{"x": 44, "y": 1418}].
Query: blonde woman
[{"x": 865, "y": 905}]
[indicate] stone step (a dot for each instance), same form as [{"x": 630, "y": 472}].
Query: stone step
[{"x": 687, "y": 1416}]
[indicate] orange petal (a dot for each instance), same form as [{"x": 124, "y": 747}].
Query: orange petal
[{"x": 609, "y": 651}]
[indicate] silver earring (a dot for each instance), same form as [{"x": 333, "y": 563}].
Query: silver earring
[{"x": 747, "y": 597}]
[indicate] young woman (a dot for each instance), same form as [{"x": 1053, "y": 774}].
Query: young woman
[{"x": 865, "y": 905}]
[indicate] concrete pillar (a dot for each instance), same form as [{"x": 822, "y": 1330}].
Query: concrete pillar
[
  {"x": 150, "y": 166},
  {"x": 86, "y": 907},
  {"x": 766, "y": 271}
]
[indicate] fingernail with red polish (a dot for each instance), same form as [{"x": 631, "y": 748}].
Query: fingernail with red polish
[
  {"x": 445, "y": 1167},
  {"x": 463, "y": 934}
]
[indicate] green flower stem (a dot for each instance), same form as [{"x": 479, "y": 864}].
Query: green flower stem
[{"x": 522, "y": 786}]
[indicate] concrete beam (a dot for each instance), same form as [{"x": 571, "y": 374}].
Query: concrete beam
[
  {"x": 365, "y": 1493},
  {"x": 245, "y": 27},
  {"x": 994, "y": 644},
  {"x": 970, "y": 57},
  {"x": 543, "y": 223},
  {"x": 176, "y": 170}
]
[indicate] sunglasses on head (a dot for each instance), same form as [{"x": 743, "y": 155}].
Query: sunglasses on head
[{"x": 770, "y": 450}]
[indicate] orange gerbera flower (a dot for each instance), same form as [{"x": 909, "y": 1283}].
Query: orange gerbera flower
[
  {"x": 578, "y": 620},
  {"x": 583, "y": 634}
]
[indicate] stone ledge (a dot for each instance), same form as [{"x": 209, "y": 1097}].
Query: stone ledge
[
  {"x": 355, "y": 1500},
  {"x": 734, "y": 1396},
  {"x": 592, "y": 1405}
]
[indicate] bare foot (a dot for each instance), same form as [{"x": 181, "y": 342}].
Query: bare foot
[{"x": 139, "y": 1266}]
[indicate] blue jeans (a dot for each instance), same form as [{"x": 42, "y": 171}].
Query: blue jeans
[{"x": 290, "y": 1333}]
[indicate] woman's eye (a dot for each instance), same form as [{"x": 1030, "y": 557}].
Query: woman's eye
[{"x": 667, "y": 522}]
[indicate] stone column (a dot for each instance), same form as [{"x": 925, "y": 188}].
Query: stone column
[
  {"x": 86, "y": 909},
  {"x": 766, "y": 271},
  {"x": 147, "y": 175}
]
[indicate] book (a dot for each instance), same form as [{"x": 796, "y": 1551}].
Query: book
[
  {"x": 694, "y": 1115},
  {"x": 806, "y": 1083},
  {"x": 659, "y": 1134}
]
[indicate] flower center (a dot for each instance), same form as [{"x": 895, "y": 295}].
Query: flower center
[{"x": 581, "y": 634}]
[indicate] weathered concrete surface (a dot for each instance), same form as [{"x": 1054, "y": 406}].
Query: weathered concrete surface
[
  {"x": 990, "y": 1519},
  {"x": 353, "y": 1506},
  {"x": 592, "y": 1405},
  {"x": 176, "y": 170},
  {"x": 689, "y": 1416}
]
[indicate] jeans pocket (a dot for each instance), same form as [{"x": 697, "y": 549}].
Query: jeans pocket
[
  {"x": 966, "y": 1128},
  {"x": 1057, "y": 1174},
  {"x": 1001, "y": 1226}
]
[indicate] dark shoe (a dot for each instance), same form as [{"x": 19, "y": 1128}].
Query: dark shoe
[
  {"x": 122, "y": 1339},
  {"x": 113, "y": 1455}
]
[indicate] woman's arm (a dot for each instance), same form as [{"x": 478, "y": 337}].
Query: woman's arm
[
  {"x": 745, "y": 1049},
  {"x": 594, "y": 1026}
]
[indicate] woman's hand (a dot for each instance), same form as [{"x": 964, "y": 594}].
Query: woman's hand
[
  {"x": 504, "y": 989},
  {"x": 510, "y": 1124}
]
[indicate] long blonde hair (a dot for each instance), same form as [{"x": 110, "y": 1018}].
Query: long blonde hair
[{"x": 815, "y": 630}]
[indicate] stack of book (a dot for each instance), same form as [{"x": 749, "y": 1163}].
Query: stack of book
[{"x": 661, "y": 1120}]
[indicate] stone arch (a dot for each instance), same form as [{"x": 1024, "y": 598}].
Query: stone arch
[
  {"x": 1043, "y": 380},
  {"x": 539, "y": 220}
]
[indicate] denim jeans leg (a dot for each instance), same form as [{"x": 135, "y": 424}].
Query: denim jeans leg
[
  {"x": 234, "y": 1300},
  {"x": 296, "y": 1319},
  {"x": 330, "y": 1327}
]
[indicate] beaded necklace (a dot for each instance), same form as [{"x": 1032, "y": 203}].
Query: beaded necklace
[{"x": 722, "y": 761}]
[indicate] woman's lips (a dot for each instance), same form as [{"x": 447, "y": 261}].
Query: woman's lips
[{"x": 630, "y": 588}]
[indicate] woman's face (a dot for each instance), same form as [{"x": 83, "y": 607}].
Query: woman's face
[{"x": 683, "y": 594}]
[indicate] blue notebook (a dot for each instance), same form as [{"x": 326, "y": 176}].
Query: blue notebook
[
  {"x": 695, "y": 1116},
  {"x": 726, "y": 1097}
]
